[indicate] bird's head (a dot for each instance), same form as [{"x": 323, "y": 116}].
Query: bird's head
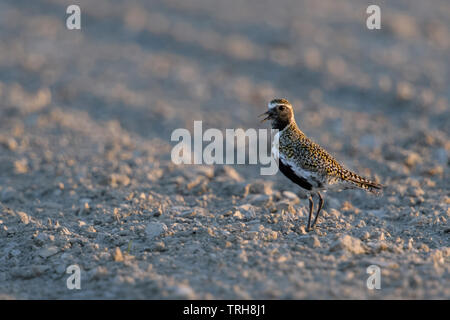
[{"x": 280, "y": 113}]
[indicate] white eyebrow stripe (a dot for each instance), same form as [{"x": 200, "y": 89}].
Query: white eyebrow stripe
[{"x": 272, "y": 105}]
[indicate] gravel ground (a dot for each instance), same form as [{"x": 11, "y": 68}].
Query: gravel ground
[{"x": 85, "y": 170}]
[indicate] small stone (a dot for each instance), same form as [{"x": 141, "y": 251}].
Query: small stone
[
  {"x": 65, "y": 231},
  {"x": 40, "y": 239},
  {"x": 21, "y": 166},
  {"x": 405, "y": 91},
  {"x": 437, "y": 256},
  {"x": 184, "y": 291},
  {"x": 316, "y": 242},
  {"x": 48, "y": 252},
  {"x": 349, "y": 244},
  {"x": 413, "y": 159},
  {"x": 259, "y": 199},
  {"x": 118, "y": 256},
  {"x": 155, "y": 229},
  {"x": 158, "y": 212},
  {"x": 302, "y": 230},
  {"x": 410, "y": 245},
  {"x": 24, "y": 218},
  {"x": 9, "y": 143},
  {"x": 285, "y": 206},
  {"x": 238, "y": 215},
  {"x": 7, "y": 194},
  {"x": 260, "y": 187},
  {"x": 60, "y": 269},
  {"x": 365, "y": 236},
  {"x": 84, "y": 206},
  {"x": 423, "y": 247},
  {"x": 436, "y": 170},
  {"x": 227, "y": 171},
  {"x": 248, "y": 211},
  {"x": 159, "y": 246},
  {"x": 239, "y": 189},
  {"x": 99, "y": 273},
  {"x": 117, "y": 179},
  {"x": 334, "y": 213},
  {"x": 251, "y": 235},
  {"x": 290, "y": 195},
  {"x": 271, "y": 235}
]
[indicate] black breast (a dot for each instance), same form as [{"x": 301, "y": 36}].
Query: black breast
[{"x": 288, "y": 172}]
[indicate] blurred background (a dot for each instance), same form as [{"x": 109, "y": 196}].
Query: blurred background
[{"x": 158, "y": 65}]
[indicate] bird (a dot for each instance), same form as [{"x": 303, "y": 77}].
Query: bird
[{"x": 306, "y": 163}]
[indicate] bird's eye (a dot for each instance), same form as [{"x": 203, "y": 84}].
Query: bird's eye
[{"x": 281, "y": 108}]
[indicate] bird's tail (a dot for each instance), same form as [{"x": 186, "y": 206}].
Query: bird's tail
[{"x": 363, "y": 183}]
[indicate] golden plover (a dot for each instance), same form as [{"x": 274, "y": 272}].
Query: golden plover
[{"x": 305, "y": 162}]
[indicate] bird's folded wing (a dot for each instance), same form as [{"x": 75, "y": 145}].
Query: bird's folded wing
[{"x": 300, "y": 175}]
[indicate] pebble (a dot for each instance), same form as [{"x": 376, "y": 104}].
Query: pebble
[
  {"x": 9, "y": 143},
  {"x": 7, "y": 194},
  {"x": 239, "y": 189},
  {"x": 365, "y": 236},
  {"x": 412, "y": 159},
  {"x": 117, "y": 255},
  {"x": 155, "y": 229},
  {"x": 48, "y": 252},
  {"x": 184, "y": 291},
  {"x": 316, "y": 241},
  {"x": 24, "y": 218},
  {"x": 259, "y": 199},
  {"x": 290, "y": 195},
  {"x": 159, "y": 246},
  {"x": 334, "y": 213},
  {"x": 349, "y": 244},
  {"x": 238, "y": 215},
  {"x": 21, "y": 166},
  {"x": 270, "y": 235},
  {"x": 285, "y": 206},
  {"x": 260, "y": 187},
  {"x": 118, "y": 179},
  {"x": 158, "y": 212},
  {"x": 227, "y": 171},
  {"x": 84, "y": 206},
  {"x": 247, "y": 210}
]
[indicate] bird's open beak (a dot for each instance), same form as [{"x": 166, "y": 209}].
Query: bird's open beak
[{"x": 267, "y": 114}]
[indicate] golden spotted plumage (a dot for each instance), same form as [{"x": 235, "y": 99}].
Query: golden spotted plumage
[
  {"x": 305, "y": 163},
  {"x": 295, "y": 146}
]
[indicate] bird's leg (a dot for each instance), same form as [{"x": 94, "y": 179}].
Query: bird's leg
[
  {"x": 311, "y": 207},
  {"x": 318, "y": 210}
]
